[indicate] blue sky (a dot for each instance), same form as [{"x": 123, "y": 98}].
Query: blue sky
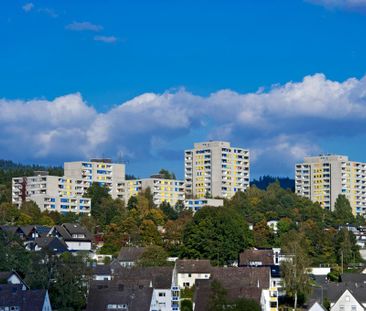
[{"x": 145, "y": 79}]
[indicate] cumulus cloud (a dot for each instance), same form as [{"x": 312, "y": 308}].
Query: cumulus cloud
[
  {"x": 342, "y": 4},
  {"x": 280, "y": 126},
  {"x": 106, "y": 39},
  {"x": 28, "y": 7},
  {"x": 83, "y": 26}
]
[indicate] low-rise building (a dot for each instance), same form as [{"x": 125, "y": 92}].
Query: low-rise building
[
  {"x": 196, "y": 204},
  {"x": 152, "y": 286},
  {"x": 76, "y": 237},
  {"x": 129, "y": 256},
  {"x": 189, "y": 270}
]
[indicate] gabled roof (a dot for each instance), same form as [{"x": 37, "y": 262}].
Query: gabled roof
[
  {"x": 317, "y": 307},
  {"x": 42, "y": 230},
  {"x": 51, "y": 244},
  {"x": 130, "y": 254},
  {"x": 193, "y": 266},
  {"x": 335, "y": 290},
  {"x": 67, "y": 230},
  {"x": 103, "y": 293},
  {"x": 11, "y": 229},
  {"x": 247, "y": 257},
  {"x": 236, "y": 277},
  {"x": 158, "y": 277},
  {"x": 5, "y": 275},
  {"x": 26, "y": 229},
  {"x": 102, "y": 270},
  {"x": 26, "y": 300},
  {"x": 354, "y": 278}
]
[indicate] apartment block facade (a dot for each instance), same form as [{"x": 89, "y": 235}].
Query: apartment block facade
[
  {"x": 323, "y": 178},
  {"x": 102, "y": 171},
  {"x": 217, "y": 169},
  {"x": 51, "y": 193},
  {"x": 168, "y": 190}
]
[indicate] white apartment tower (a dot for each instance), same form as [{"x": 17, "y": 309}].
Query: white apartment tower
[
  {"x": 323, "y": 178},
  {"x": 52, "y": 193},
  {"x": 102, "y": 171},
  {"x": 217, "y": 169}
]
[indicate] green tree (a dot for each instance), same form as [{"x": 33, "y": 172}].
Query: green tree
[
  {"x": 294, "y": 270},
  {"x": 166, "y": 174},
  {"x": 216, "y": 233},
  {"x": 149, "y": 233},
  {"x": 68, "y": 289},
  {"x": 153, "y": 256},
  {"x": 263, "y": 235},
  {"x": 343, "y": 211}
]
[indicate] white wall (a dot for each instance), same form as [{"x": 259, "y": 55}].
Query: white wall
[
  {"x": 78, "y": 246},
  {"x": 191, "y": 278}
]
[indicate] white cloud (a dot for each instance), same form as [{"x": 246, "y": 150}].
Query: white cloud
[
  {"x": 279, "y": 126},
  {"x": 83, "y": 26},
  {"x": 28, "y": 7},
  {"x": 106, "y": 39}
]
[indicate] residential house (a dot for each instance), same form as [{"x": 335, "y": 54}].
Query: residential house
[
  {"x": 76, "y": 237},
  {"x": 153, "y": 284},
  {"x": 13, "y": 297},
  {"x": 13, "y": 278},
  {"x": 189, "y": 270},
  {"x": 352, "y": 300},
  {"x": 51, "y": 245},
  {"x": 128, "y": 256},
  {"x": 265, "y": 258},
  {"x": 245, "y": 282}
]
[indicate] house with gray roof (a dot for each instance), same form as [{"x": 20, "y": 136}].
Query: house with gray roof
[
  {"x": 149, "y": 283},
  {"x": 13, "y": 297},
  {"x": 76, "y": 237},
  {"x": 129, "y": 256}
]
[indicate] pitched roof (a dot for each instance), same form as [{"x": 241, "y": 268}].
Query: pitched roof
[
  {"x": 11, "y": 229},
  {"x": 102, "y": 270},
  {"x": 67, "y": 230},
  {"x": 354, "y": 278},
  {"x": 231, "y": 277},
  {"x": 103, "y": 293},
  {"x": 130, "y": 253},
  {"x": 51, "y": 244},
  {"x": 42, "y": 230},
  {"x": 5, "y": 275},
  {"x": 26, "y": 300},
  {"x": 203, "y": 292},
  {"x": 316, "y": 306},
  {"x": 193, "y": 266},
  {"x": 27, "y": 229},
  {"x": 158, "y": 277},
  {"x": 336, "y": 290},
  {"x": 249, "y": 256},
  {"x": 74, "y": 228}
]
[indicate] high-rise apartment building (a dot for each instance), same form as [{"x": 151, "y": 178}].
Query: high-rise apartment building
[
  {"x": 53, "y": 193},
  {"x": 217, "y": 169},
  {"x": 323, "y": 178},
  {"x": 162, "y": 189},
  {"x": 102, "y": 171}
]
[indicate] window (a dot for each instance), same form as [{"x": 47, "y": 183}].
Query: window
[
  {"x": 189, "y": 275},
  {"x": 354, "y": 308},
  {"x": 161, "y": 294},
  {"x": 185, "y": 284}
]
